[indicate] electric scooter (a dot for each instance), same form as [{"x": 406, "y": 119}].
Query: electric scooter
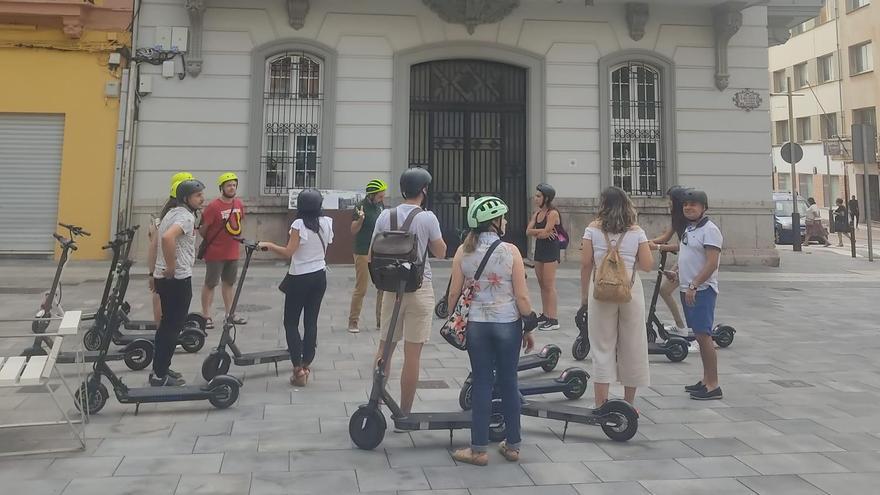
[
  {"x": 572, "y": 383},
  {"x": 221, "y": 392},
  {"x": 367, "y": 425},
  {"x": 137, "y": 355},
  {"x": 192, "y": 336},
  {"x": 619, "y": 420},
  {"x": 721, "y": 334},
  {"x": 218, "y": 361},
  {"x": 673, "y": 347}
]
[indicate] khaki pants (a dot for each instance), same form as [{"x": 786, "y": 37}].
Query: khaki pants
[
  {"x": 415, "y": 318},
  {"x": 618, "y": 342},
  {"x": 362, "y": 281}
]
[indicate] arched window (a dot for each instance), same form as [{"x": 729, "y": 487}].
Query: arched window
[
  {"x": 636, "y": 129},
  {"x": 293, "y": 110}
]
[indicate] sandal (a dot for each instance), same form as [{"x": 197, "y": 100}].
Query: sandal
[
  {"x": 510, "y": 454},
  {"x": 306, "y": 373},
  {"x": 468, "y": 456},
  {"x": 209, "y": 324},
  {"x": 239, "y": 320},
  {"x": 297, "y": 379}
]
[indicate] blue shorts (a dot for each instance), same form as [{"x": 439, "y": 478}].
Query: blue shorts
[{"x": 701, "y": 316}]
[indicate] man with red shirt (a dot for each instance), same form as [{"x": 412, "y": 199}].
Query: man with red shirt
[{"x": 221, "y": 224}]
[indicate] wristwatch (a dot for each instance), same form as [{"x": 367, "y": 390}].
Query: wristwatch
[{"x": 692, "y": 287}]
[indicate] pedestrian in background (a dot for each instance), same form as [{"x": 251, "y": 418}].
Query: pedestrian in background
[
  {"x": 542, "y": 227},
  {"x": 854, "y": 211},
  {"x": 362, "y": 225},
  {"x": 841, "y": 222},
  {"x": 813, "y": 221}
]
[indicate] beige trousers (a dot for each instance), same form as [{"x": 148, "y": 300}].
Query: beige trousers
[
  {"x": 618, "y": 342},
  {"x": 362, "y": 282}
]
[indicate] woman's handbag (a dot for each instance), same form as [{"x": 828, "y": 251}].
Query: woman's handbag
[{"x": 455, "y": 329}]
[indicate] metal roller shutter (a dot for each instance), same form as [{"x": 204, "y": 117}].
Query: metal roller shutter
[{"x": 30, "y": 162}]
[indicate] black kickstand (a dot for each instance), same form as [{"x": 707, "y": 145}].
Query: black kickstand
[
  {"x": 564, "y": 431},
  {"x": 276, "y": 368}
]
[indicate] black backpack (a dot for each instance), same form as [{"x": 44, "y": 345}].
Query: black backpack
[{"x": 395, "y": 254}]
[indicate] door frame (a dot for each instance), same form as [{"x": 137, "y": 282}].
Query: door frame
[{"x": 490, "y": 52}]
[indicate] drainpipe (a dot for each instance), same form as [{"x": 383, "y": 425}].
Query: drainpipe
[{"x": 125, "y": 148}]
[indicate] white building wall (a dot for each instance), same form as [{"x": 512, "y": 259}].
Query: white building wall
[{"x": 201, "y": 124}]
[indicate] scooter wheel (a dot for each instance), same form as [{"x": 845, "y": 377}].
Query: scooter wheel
[
  {"x": 577, "y": 385},
  {"x": 36, "y": 350},
  {"x": 581, "y": 348},
  {"x": 224, "y": 394},
  {"x": 624, "y": 421},
  {"x": 441, "y": 310},
  {"x": 217, "y": 363},
  {"x": 139, "y": 355},
  {"x": 367, "y": 428},
  {"x": 497, "y": 428},
  {"x": 465, "y": 396},
  {"x": 192, "y": 341},
  {"x": 92, "y": 340},
  {"x": 724, "y": 336},
  {"x": 552, "y": 360},
  {"x": 96, "y": 396},
  {"x": 677, "y": 352}
]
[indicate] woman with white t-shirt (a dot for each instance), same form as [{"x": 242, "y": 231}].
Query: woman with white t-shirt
[
  {"x": 619, "y": 348},
  {"x": 306, "y": 281}
]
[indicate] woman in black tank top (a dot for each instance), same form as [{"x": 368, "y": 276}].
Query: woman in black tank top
[{"x": 543, "y": 228}]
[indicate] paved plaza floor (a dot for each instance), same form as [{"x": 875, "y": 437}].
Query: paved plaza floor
[{"x": 800, "y": 415}]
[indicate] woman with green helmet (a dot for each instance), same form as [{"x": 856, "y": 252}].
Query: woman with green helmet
[
  {"x": 363, "y": 223},
  {"x": 500, "y": 321}
]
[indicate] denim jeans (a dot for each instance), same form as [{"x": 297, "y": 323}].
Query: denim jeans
[
  {"x": 303, "y": 298},
  {"x": 175, "y": 295},
  {"x": 494, "y": 352}
]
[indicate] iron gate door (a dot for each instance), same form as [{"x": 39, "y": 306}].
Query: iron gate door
[{"x": 468, "y": 128}]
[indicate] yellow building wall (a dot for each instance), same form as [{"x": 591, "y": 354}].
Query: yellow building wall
[{"x": 53, "y": 74}]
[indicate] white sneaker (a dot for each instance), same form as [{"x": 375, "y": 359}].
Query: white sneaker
[
  {"x": 694, "y": 347},
  {"x": 354, "y": 330},
  {"x": 678, "y": 332}
]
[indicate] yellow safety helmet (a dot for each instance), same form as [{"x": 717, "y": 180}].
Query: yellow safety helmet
[
  {"x": 226, "y": 177},
  {"x": 177, "y": 179}
]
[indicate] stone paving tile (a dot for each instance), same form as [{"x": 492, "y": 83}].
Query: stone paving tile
[
  {"x": 791, "y": 463},
  {"x": 417, "y": 457},
  {"x": 737, "y": 429},
  {"x": 857, "y": 462},
  {"x": 717, "y": 467},
  {"x": 169, "y": 464},
  {"x": 23, "y": 468},
  {"x": 124, "y": 485},
  {"x": 371, "y": 480},
  {"x": 789, "y": 444},
  {"x": 97, "y": 467},
  {"x": 201, "y": 428},
  {"x": 853, "y": 441},
  {"x": 345, "y": 460},
  {"x": 226, "y": 443},
  {"x": 569, "y": 452},
  {"x": 631, "y": 451},
  {"x": 679, "y": 416},
  {"x": 746, "y": 414},
  {"x": 271, "y": 427},
  {"x": 306, "y": 483},
  {"x": 492, "y": 476},
  {"x": 787, "y": 484},
  {"x": 149, "y": 445},
  {"x": 433, "y": 492},
  {"x": 617, "y": 488},
  {"x": 559, "y": 473},
  {"x": 720, "y": 486},
  {"x": 845, "y": 484},
  {"x": 35, "y": 487},
  {"x": 214, "y": 484},
  {"x": 663, "y": 469},
  {"x": 799, "y": 426},
  {"x": 254, "y": 462},
  {"x": 527, "y": 490}
]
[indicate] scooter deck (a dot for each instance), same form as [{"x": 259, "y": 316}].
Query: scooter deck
[
  {"x": 140, "y": 325},
  {"x": 87, "y": 356},
  {"x": 560, "y": 412},
  {"x": 545, "y": 386},
  {"x": 262, "y": 357},
  {"x": 530, "y": 361},
  {"x": 458, "y": 420},
  {"x": 166, "y": 394}
]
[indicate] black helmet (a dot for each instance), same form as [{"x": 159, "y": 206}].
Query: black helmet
[
  {"x": 413, "y": 181},
  {"x": 676, "y": 192},
  {"x": 548, "y": 192},
  {"x": 696, "y": 196},
  {"x": 187, "y": 188},
  {"x": 309, "y": 201}
]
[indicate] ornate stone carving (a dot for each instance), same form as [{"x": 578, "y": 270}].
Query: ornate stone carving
[
  {"x": 726, "y": 20},
  {"x": 472, "y": 13},
  {"x": 637, "y": 14},
  {"x": 72, "y": 27},
  {"x": 747, "y": 99},
  {"x": 296, "y": 13},
  {"x": 196, "y": 11}
]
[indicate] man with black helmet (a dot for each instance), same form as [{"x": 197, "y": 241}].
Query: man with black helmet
[
  {"x": 173, "y": 274},
  {"x": 698, "y": 259},
  {"x": 416, "y": 309}
]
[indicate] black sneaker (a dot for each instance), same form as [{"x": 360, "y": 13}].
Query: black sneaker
[
  {"x": 549, "y": 324},
  {"x": 542, "y": 318},
  {"x": 167, "y": 381},
  {"x": 174, "y": 374},
  {"x": 707, "y": 394},
  {"x": 697, "y": 387}
]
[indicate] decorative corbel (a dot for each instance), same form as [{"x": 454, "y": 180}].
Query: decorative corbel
[
  {"x": 472, "y": 13},
  {"x": 637, "y": 14},
  {"x": 726, "y": 20},
  {"x": 196, "y": 11},
  {"x": 72, "y": 26},
  {"x": 296, "y": 13}
]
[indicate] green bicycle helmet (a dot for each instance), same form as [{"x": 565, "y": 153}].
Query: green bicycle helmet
[
  {"x": 485, "y": 209},
  {"x": 376, "y": 186}
]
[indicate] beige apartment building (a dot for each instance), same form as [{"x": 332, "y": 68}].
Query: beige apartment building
[{"x": 830, "y": 62}]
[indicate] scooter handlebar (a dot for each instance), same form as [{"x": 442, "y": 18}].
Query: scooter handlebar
[
  {"x": 75, "y": 230},
  {"x": 65, "y": 242},
  {"x": 249, "y": 244}
]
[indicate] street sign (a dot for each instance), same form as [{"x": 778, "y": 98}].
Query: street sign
[
  {"x": 833, "y": 148},
  {"x": 792, "y": 152}
]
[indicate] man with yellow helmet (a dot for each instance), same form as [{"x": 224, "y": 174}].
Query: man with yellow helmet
[
  {"x": 362, "y": 225},
  {"x": 221, "y": 224}
]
